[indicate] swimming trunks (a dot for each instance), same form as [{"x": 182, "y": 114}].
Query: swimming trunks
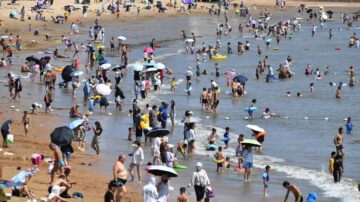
[
  {"x": 248, "y": 165},
  {"x": 120, "y": 182},
  {"x": 61, "y": 163}
]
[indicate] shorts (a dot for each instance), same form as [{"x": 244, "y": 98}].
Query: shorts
[
  {"x": 138, "y": 132},
  {"x": 340, "y": 147},
  {"x": 66, "y": 156},
  {"x": 15, "y": 192},
  {"x": 248, "y": 165},
  {"x": 120, "y": 182},
  {"x": 188, "y": 78},
  {"x": 300, "y": 199},
  {"x": 60, "y": 163},
  {"x": 112, "y": 45},
  {"x": 200, "y": 192}
]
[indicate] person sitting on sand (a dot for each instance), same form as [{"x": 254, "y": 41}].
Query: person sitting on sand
[
  {"x": 21, "y": 181},
  {"x": 57, "y": 188}
]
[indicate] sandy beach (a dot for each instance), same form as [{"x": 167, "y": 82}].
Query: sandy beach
[{"x": 89, "y": 182}]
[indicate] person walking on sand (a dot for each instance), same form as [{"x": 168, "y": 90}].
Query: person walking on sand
[
  {"x": 137, "y": 160},
  {"x": 26, "y": 122},
  {"x": 58, "y": 161},
  {"x": 294, "y": 189},
  {"x": 5, "y": 131},
  {"x": 95, "y": 143},
  {"x": 120, "y": 176},
  {"x": 200, "y": 180},
  {"x": 339, "y": 142}
]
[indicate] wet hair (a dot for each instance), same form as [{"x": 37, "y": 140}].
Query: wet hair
[
  {"x": 267, "y": 167},
  {"x": 227, "y": 158},
  {"x": 333, "y": 153},
  {"x": 286, "y": 183},
  {"x": 340, "y": 129},
  {"x": 112, "y": 184},
  {"x": 227, "y": 128},
  {"x": 67, "y": 171},
  {"x": 183, "y": 190},
  {"x": 149, "y": 164}
]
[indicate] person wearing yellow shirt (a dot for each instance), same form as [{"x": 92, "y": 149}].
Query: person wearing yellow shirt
[{"x": 331, "y": 162}]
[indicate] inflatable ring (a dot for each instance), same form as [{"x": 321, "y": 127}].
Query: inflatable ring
[
  {"x": 212, "y": 147},
  {"x": 219, "y": 57},
  {"x": 59, "y": 70},
  {"x": 180, "y": 167},
  {"x": 218, "y": 161}
]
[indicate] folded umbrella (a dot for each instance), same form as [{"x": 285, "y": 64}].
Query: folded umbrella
[
  {"x": 66, "y": 73},
  {"x": 240, "y": 78},
  {"x": 309, "y": 10},
  {"x": 62, "y": 136},
  {"x": 75, "y": 123},
  {"x": 159, "y": 170},
  {"x": 251, "y": 142},
  {"x": 158, "y": 133},
  {"x": 103, "y": 89}
]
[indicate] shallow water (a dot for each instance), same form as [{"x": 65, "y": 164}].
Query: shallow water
[{"x": 296, "y": 149}]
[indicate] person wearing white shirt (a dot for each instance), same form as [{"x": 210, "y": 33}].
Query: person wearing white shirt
[
  {"x": 155, "y": 146},
  {"x": 136, "y": 160},
  {"x": 163, "y": 189},
  {"x": 150, "y": 192},
  {"x": 200, "y": 180}
]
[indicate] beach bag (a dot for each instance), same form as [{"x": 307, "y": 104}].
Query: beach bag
[{"x": 10, "y": 139}]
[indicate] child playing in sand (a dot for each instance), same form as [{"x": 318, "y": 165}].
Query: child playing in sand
[
  {"x": 182, "y": 197},
  {"x": 36, "y": 159}
]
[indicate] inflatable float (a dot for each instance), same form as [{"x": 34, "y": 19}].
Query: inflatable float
[
  {"x": 246, "y": 109},
  {"x": 59, "y": 70},
  {"x": 225, "y": 139},
  {"x": 100, "y": 46},
  {"x": 218, "y": 57},
  {"x": 218, "y": 161},
  {"x": 180, "y": 167},
  {"x": 212, "y": 147}
]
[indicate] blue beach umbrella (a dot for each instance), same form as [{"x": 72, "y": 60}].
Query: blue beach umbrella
[{"x": 75, "y": 123}]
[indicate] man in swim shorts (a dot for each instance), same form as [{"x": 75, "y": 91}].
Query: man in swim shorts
[
  {"x": 339, "y": 142},
  {"x": 294, "y": 189},
  {"x": 120, "y": 176},
  {"x": 58, "y": 161}
]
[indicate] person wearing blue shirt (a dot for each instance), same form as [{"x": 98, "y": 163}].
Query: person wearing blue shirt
[
  {"x": 349, "y": 126},
  {"x": 226, "y": 137},
  {"x": 266, "y": 178},
  {"x": 5, "y": 130}
]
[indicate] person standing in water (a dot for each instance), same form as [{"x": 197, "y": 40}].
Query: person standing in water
[
  {"x": 338, "y": 92},
  {"x": 251, "y": 109},
  {"x": 352, "y": 76},
  {"x": 266, "y": 178},
  {"x": 339, "y": 142},
  {"x": 349, "y": 126},
  {"x": 248, "y": 156},
  {"x": 330, "y": 34},
  {"x": 95, "y": 143},
  {"x": 294, "y": 189}
]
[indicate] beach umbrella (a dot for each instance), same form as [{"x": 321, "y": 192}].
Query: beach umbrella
[
  {"x": 122, "y": 38},
  {"x": 62, "y": 136},
  {"x": 32, "y": 59},
  {"x": 188, "y": 1},
  {"x": 189, "y": 40},
  {"x": 137, "y": 67},
  {"x": 309, "y": 10},
  {"x": 118, "y": 67},
  {"x": 77, "y": 73},
  {"x": 105, "y": 66},
  {"x": 190, "y": 119},
  {"x": 66, "y": 73},
  {"x": 5, "y": 184},
  {"x": 4, "y": 37},
  {"x": 75, "y": 123},
  {"x": 240, "y": 78},
  {"x": 268, "y": 40},
  {"x": 160, "y": 66},
  {"x": 251, "y": 142},
  {"x": 158, "y": 133},
  {"x": 160, "y": 170},
  {"x": 103, "y": 89},
  {"x": 330, "y": 12},
  {"x": 151, "y": 69},
  {"x": 148, "y": 50},
  {"x": 255, "y": 128}
]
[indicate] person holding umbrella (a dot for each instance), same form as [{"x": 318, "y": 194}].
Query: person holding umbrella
[
  {"x": 163, "y": 189},
  {"x": 136, "y": 160},
  {"x": 200, "y": 180}
]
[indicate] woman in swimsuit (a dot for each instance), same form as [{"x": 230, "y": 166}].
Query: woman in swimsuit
[{"x": 26, "y": 122}]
